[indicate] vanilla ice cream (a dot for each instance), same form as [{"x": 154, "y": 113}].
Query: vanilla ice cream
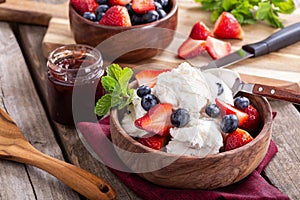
[{"x": 189, "y": 88}]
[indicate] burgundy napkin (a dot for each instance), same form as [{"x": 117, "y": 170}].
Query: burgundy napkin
[{"x": 253, "y": 187}]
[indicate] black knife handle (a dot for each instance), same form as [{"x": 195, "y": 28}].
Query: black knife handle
[{"x": 280, "y": 39}]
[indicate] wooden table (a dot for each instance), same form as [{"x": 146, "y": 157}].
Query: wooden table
[{"x": 23, "y": 95}]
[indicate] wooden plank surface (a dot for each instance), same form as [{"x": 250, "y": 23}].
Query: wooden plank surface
[{"x": 19, "y": 98}]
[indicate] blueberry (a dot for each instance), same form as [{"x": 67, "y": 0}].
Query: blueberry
[
  {"x": 180, "y": 117},
  {"x": 99, "y": 16},
  {"x": 102, "y": 2},
  {"x": 161, "y": 13},
  {"x": 220, "y": 88},
  {"x": 149, "y": 101},
  {"x": 212, "y": 110},
  {"x": 158, "y": 6},
  {"x": 150, "y": 16},
  {"x": 136, "y": 19},
  {"x": 129, "y": 8},
  {"x": 164, "y": 3},
  {"x": 143, "y": 90},
  {"x": 90, "y": 16},
  {"x": 241, "y": 102},
  {"x": 102, "y": 9},
  {"x": 229, "y": 123}
]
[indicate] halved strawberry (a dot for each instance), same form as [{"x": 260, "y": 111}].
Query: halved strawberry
[
  {"x": 217, "y": 48},
  {"x": 116, "y": 16},
  {"x": 228, "y": 27},
  {"x": 252, "y": 124},
  {"x": 148, "y": 77},
  {"x": 157, "y": 120},
  {"x": 82, "y": 6},
  {"x": 118, "y": 2},
  {"x": 237, "y": 139},
  {"x": 191, "y": 48},
  {"x": 155, "y": 142},
  {"x": 200, "y": 31},
  {"x": 142, "y": 6},
  {"x": 227, "y": 109}
]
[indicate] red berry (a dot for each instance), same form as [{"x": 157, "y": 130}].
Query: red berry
[
  {"x": 200, "y": 31},
  {"x": 252, "y": 124},
  {"x": 82, "y": 6},
  {"x": 155, "y": 142},
  {"x": 116, "y": 16},
  {"x": 217, "y": 48},
  {"x": 228, "y": 27},
  {"x": 237, "y": 139},
  {"x": 148, "y": 77},
  {"x": 143, "y": 6},
  {"x": 157, "y": 120},
  {"x": 118, "y": 2},
  {"x": 191, "y": 48}
]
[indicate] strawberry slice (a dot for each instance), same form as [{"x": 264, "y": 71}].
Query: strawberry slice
[
  {"x": 148, "y": 77},
  {"x": 217, "y": 48},
  {"x": 116, "y": 16},
  {"x": 191, "y": 48},
  {"x": 82, "y": 6},
  {"x": 252, "y": 124},
  {"x": 155, "y": 142},
  {"x": 142, "y": 6},
  {"x": 227, "y": 109},
  {"x": 200, "y": 31},
  {"x": 118, "y": 2},
  {"x": 237, "y": 139},
  {"x": 228, "y": 27},
  {"x": 157, "y": 120}
]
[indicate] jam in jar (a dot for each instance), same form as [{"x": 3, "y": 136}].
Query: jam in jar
[{"x": 74, "y": 69}]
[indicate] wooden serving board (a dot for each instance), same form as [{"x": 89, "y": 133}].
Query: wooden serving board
[{"x": 280, "y": 68}]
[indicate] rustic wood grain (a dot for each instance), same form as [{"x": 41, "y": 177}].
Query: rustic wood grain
[
  {"x": 283, "y": 171},
  {"x": 76, "y": 153},
  {"x": 19, "y": 98}
]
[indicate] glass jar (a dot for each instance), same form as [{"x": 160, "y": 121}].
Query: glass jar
[{"x": 71, "y": 65}]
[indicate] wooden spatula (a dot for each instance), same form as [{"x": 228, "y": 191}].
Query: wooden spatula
[{"x": 15, "y": 147}]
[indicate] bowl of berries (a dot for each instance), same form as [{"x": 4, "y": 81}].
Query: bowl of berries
[
  {"x": 142, "y": 29},
  {"x": 193, "y": 135}
]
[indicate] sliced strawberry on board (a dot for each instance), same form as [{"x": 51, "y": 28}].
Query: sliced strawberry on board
[
  {"x": 148, "y": 77},
  {"x": 155, "y": 142},
  {"x": 217, "y": 48},
  {"x": 228, "y": 27},
  {"x": 191, "y": 48},
  {"x": 157, "y": 120},
  {"x": 252, "y": 124},
  {"x": 82, "y": 6},
  {"x": 200, "y": 31},
  {"x": 142, "y": 6},
  {"x": 118, "y": 2},
  {"x": 116, "y": 16},
  {"x": 237, "y": 139},
  {"x": 227, "y": 109}
]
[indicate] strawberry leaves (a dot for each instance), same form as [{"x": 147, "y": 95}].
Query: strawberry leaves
[
  {"x": 267, "y": 11},
  {"x": 116, "y": 84}
]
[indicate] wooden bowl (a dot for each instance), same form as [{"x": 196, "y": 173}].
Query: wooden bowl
[
  {"x": 142, "y": 41},
  {"x": 210, "y": 172}
]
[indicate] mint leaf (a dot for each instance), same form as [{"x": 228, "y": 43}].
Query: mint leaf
[
  {"x": 116, "y": 84},
  {"x": 103, "y": 105}
]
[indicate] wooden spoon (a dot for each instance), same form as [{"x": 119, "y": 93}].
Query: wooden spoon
[{"x": 15, "y": 147}]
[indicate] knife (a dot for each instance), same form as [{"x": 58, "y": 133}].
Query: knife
[
  {"x": 278, "y": 40},
  {"x": 233, "y": 80}
]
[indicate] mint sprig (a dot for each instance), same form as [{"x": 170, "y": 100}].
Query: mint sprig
[
  {"x": 116, "y": 84},
  {"x": 250, "y": 11}
]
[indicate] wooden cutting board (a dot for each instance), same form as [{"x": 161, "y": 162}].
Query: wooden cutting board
[{"x": 281, "y": 68}]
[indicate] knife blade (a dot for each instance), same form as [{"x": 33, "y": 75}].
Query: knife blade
[{"x": 278, "y": 40}]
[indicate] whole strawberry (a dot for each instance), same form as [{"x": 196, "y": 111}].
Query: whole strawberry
[
  {"x": 116, "y": 16},
  {"x": 82, "y": 6},
  {"x": 237, "y": 139}
]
